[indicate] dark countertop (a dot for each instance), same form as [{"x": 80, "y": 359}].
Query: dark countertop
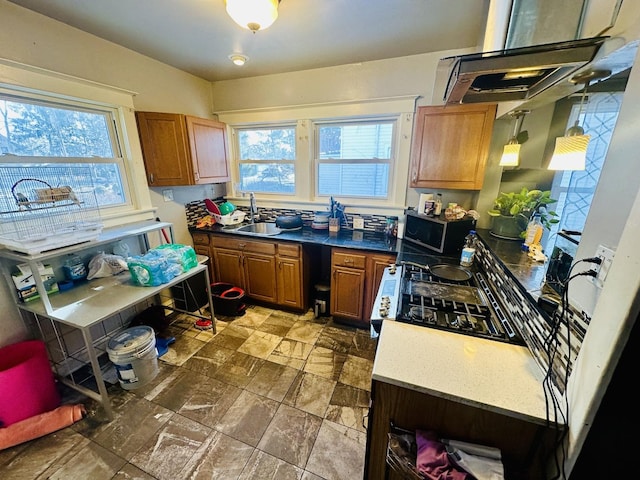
[
  {"x": 529, "y": 273},
  {"x": 345, "y": 238}
]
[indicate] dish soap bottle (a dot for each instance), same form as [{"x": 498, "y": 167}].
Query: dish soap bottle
[
  {"x": 534, "y": 231},
  {"x": 468, "y": 250}
]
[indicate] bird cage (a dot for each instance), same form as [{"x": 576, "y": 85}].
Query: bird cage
[{"x": 47, "y": 206}]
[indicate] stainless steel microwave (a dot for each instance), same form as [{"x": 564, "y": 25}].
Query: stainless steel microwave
[{"x": 437, "y": 233}]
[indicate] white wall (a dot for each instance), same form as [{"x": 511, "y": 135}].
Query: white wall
[{"x": 30, "y": 38}]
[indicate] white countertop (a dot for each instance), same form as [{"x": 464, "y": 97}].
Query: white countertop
[{"x": 488, "y": 374}]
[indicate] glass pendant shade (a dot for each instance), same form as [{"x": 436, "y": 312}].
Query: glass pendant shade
[
  {"x": 510, "y": 155},
  {"x": 253, "y": 15},
  {"x": 570, "y": 153}
]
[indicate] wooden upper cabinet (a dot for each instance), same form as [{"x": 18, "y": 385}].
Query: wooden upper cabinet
[
  {"x": 451, "y": 145},
  {"x": 182, "y": 150}
]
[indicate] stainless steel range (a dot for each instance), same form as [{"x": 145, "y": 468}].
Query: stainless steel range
[{"x": 446, "y": 297}]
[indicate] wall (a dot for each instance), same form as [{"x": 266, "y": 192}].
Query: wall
[{"x": 30, "y": 38}]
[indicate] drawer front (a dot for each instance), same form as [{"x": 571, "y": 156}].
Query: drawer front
[
  {"x": 289, "y": 250},
  {"x": 236, "y": 243},
  {"x": 200, "y": 238},
  {"x": 351, "y": 260}
]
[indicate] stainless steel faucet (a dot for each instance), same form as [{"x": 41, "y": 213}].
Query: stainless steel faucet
[{"x": 253, "y": 208}]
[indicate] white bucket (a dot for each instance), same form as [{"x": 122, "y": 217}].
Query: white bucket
[{"x": 133, "y": 352}]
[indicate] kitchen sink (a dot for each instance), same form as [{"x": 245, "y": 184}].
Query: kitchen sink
[{"x": 264, "y": 228}]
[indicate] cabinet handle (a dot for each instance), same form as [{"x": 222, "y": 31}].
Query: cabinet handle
[
  {"x": 196, "y": 175},
  {"x": 348, "y": 260},
  {"x": 241, "y": 245},
  {"x": 151, "y": 178}
]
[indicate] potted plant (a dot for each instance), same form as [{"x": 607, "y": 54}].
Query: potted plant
[{"x": 512, "y": 211}]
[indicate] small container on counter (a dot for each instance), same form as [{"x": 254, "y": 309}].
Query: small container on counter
[{"x": 391, "y": 228}]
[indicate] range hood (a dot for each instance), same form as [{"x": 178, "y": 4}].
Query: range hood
[{"x": 514, "y": 74}]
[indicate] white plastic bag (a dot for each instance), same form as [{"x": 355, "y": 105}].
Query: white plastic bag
[{"x": 105, "y": 265}]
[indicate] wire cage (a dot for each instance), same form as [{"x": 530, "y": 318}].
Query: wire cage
[{"x": 47, "y": 206}]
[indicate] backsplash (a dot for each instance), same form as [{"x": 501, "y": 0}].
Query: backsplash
[
  {"x": 533, "y": 326},
  {"x": 372, "y": 223}
]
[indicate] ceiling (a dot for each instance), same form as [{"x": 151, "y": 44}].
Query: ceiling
[{"x": 198, "y": 36}]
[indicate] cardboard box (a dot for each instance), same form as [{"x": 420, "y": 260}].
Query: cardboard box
[{"x": 26, "y": 285}]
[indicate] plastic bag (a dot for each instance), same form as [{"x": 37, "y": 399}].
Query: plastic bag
[{"x": 105, "y": 265}]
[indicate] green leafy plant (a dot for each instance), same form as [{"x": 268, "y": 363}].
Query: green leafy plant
[{"x": 524, "y": 204}]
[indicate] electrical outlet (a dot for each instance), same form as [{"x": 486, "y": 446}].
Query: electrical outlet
[
  {"x": 167, "y": 195},
  {"x": 605, "y": 254},
  {"x": 358, "y": 223}
]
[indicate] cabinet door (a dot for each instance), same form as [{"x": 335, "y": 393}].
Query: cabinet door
[
  {"x": 208, "y": 143},
  {"x": 228, "y": 266},
  {"x": 204, "y": 250},
  {"x": 347, "y": 293},
  {"x": 290, "y": 282},
  {"x": 164, "y": 142},
  {"x": 260, "y": 277},
  {"x": 450, "y": 146}
]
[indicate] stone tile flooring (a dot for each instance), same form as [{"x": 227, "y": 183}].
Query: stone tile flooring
[{"x": 272, "y": 395}]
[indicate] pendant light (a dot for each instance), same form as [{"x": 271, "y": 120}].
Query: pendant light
[
  {"x": 253, "y": 15},
  {"x": 511, "y": 153},
  {"x": 570, "y": 152}
]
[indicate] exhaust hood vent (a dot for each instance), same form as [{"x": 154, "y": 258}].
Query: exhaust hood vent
[{"x": 514, "y": 74}]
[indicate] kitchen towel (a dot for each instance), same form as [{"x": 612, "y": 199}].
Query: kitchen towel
[
  {"x": 40, "y": 425},
  {"x": 433, "y": 460}
]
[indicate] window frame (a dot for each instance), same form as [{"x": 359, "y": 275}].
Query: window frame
[
  {"x": 34, "y": 83},
  {"x": 401, "y": 107},
  {"x": 355, "y": 121},
  {"x": 239, "y": 161}
]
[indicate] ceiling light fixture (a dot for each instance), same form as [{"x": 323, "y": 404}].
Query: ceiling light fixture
[
  {"x": 570, "y": 152},
  {"x": 253, "y": 15},
  {"x": 511, "y": 153},
  {"x": 238, "y": 59}
]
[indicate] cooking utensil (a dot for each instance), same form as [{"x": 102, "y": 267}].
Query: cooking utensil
[
  {"x": 453, "y": 273},
  {"x": 212, "y": 207},
  {"x": 289, "y": 222}
]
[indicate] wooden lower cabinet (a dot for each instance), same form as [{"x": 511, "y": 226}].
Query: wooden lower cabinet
[
  {"x": 524, "y": 445},
  {"x": 269, "y": 272},
  {"x": 355, "y": 278},
  {"x": 201, "y": 247}
]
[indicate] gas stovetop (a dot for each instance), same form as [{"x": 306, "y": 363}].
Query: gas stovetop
[{"x": 413, "y": 294}]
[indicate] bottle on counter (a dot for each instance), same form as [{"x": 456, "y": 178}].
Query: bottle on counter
[
  {"x": 468, "y": 250},
  {"x": 438, "y": 206},
  {"x": 534, "y": 231}
]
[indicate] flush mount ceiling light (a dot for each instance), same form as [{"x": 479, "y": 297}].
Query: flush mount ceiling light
[
  {"x": 511, "y": 153},
  {"x": 570, "y": 152},
  {"x": 238, "y": 59},
  {"x": 253, "y": 15}
]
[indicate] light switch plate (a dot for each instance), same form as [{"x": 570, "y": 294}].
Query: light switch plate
[{"x": 358, "y": 223}]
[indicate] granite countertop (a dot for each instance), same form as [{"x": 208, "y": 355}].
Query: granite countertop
[{"x": 345, "y": 238}]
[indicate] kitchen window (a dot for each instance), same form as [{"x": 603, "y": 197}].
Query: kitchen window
[
  {"x": 353, "y": 159},
  {"x": 266, "y": 159},
  {"x": 299, "y": 155},
  {"x": 35, "y": 130}
]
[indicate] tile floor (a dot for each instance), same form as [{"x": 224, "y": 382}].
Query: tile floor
[{"x": 272, "y": 395}]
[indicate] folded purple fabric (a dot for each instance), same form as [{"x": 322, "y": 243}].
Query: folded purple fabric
[{"x": 433, "y": 461}]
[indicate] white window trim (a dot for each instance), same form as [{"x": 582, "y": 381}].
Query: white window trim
[
  {"x": 304, "y": 115},
  {"x": 20, "y": 79}
]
